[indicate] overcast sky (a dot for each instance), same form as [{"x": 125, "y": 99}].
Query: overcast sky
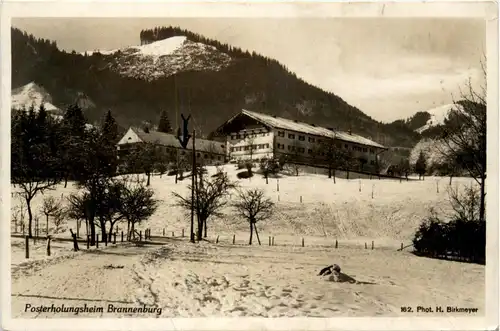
[{"x": 389, "y": 68}]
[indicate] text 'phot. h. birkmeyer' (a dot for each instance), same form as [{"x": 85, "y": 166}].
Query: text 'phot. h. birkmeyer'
[{"x": 258, "y": 167}]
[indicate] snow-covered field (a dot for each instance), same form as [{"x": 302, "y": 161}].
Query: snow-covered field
[{"x": 222, "y": 279}]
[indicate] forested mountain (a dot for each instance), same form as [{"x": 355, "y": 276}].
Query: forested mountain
[{"x": 177, "y": 71}]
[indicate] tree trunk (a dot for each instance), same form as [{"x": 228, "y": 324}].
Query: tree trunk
[
  {"x": 482, "y": 205},
  {"x": 30, "y": 217},
  {"x": 149, "y": 181},
  {"x": 65, "y": 181},
  {"x": 47, "y": 224},
  {"x": 251, "y": 233},
  {"x": 103, "y": 228},
  {"x": 205, "y": 228},
  {"x": 267, "y": 182},
  {"x": 329, "y": 172},
  {"x": 334, "y": 180},
  {"x": 256, "y": 233},
  {"x": 128, "y": 230},
  {"x": 451, "y": 178}
]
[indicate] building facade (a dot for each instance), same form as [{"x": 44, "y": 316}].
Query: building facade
[
  {"x": 252, "y": 135},
  {"x": 208, "y": 152}
]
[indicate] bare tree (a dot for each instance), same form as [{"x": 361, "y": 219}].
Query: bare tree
[
  {"x": 254, "y": 207},
  {"x": 464, "y": 135},
  {"x": 50, "y": 208},
  {"x": 269, "y": 167},
  {"x": 330, "y": 152},
  {"x": 210, "y": 198}
]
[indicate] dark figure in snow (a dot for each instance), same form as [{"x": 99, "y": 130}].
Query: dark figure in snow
[
  {"x": 329, "y": 270},
  {"x": 75, "y": 242}
]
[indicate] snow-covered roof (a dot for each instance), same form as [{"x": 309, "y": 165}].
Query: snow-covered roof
[
  {"x": 167, "y": 139},
  {"x": 286, "y": 124}
]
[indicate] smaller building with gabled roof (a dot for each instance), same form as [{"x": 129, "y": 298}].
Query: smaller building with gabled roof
[{"x": 208, "y": 151}]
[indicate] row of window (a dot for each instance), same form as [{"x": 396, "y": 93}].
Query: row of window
[
  {"x": 249, "y": 147},
  {"x": 204, "y": 155},
  {"x": 312, "y": 140},
  {"x": 249, "y": 135}
]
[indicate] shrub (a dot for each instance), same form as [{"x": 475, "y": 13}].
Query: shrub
[
  {"x": 462, "y": 238},
  {"x": 244, "y": 174}
]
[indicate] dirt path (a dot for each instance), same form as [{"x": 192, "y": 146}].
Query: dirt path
[{"x": 93, "y": 278}]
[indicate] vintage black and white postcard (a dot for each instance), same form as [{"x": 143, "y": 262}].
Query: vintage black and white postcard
[{"x": 211, "y": 166}]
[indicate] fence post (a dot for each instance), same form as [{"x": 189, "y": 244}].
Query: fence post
[
  {"x": 336, "y": 244},
  {"x": 96, "y": 241},
  {"x": 22, "y": 226},
  {"x": 27, "y": 247},
  {"x": 373, "y": 244},
  {"x": 272, "y": 241},
  {"x": 401, "y": 246},
  {"x": 217, "y": 240},
  {"x": 277, "y": 185},
  {"x": 122, "y": 236},
  {"x": 302, "y": 242},
  {"x": 234, "y": 238},
  {"x": 301, "y": 199},
  {"x": 366, "y": 247},
  {"x": 164, "y": 232},
  {"x": 269, "y": 240},
  {"x": 48, "y": 245},
  {"x": 182, "y": 233},
  {"x": 173, "y": 234}
]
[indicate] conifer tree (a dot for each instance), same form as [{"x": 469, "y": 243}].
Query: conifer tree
[
  {"x": 420, "y": 165},
  {"x": 164, "y": 123}
]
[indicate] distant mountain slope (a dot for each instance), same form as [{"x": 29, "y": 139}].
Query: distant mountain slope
[
  {"x": 31, "y": 95},
  {"x": 438, "y": 116},
  {"x": 181, "y": 72}
]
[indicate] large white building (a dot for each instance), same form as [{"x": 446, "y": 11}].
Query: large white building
[{"x": 252, "y": 135}]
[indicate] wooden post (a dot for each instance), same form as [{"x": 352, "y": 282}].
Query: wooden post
[
  {"x": 77, "y": 229},
  {"x": 27, "y": 247},
  {"x": 105, "y": 240},
  {"x": 164, "y": 232},
  {"x": 234, "y": 238},
  {"x": 366, "y": 247},
  {"x": 269, "y": 240},
  {"x": 373, "y": 244},
  {"x": 97, "y": 241},
  {"x": 401, "y": 246},
  {"x": 182, "y": 233},
  {"x": 302, "y": 242},
  {"x": 272, "y": 241},
  {"x": 48, "y": 245},
  {"x": 301, "y": 199},
  {"x": 173, "y": 234},
  {"x": 114, "y": 238},
  {"x": 217, "y": 240},
  {"x": 336, "y": 244},
  {"x": 88, "y": 241}
]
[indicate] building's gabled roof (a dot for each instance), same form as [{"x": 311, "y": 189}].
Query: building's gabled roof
[
  {"x": 286, "y": 124},
  {"x": 167, "y": 139}
]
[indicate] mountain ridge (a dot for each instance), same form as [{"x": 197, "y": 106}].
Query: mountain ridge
[{"x": 246, "y": 81}]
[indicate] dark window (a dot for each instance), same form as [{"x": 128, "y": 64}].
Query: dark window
[
  {"x": 302, "y": 150},
  {"x": 291, "y": 136},
  {"x": 232, "y": 149},
  {"x": 205, "y": 156},
  {"x": 238, "y": 136},
  {"x": 218, "y": 157},
  {"x": 345, "y": 146},
  {"x": 267, "y": 145},
  {"x": 311, "y": 139},
  {"x": 372, "y": 151},
  {"x": 365, "y": 150},
  {"x": 302, "y": 138},
  {"x": 280, "y": 134},
  {"x": 197, "y": 154},
  {"x": 247, "y": 148},
  {"x": 309, "y": 151},
  {"x": 233, "y": 137}
]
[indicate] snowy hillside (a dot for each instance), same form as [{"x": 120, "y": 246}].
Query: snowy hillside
[
  {"x": 164, "y": 58},
  {"x": 438, "y": 116},
  {"x": 31, "y": 94}
]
